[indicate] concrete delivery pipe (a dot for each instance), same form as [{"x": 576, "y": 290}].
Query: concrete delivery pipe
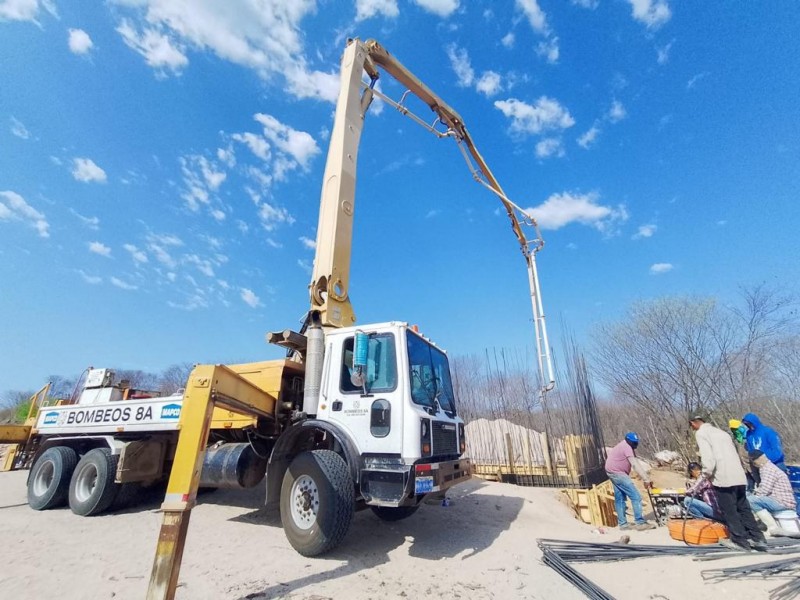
[{"x": 234, "y": 466}]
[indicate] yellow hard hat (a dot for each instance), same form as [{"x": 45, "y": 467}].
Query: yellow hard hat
[{"x": 734, "y": 424}]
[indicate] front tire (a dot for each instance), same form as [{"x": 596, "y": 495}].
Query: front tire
[
  {"x": 92, "y": 488},
  {"x": 398, "y": 513},
  {"x": 317, "y": 502},
  {"x": 48, "y": 483}
]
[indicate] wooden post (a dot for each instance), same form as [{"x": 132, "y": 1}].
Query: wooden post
[
  {"x": 548, "y": 465},
  {"x": 510, "y": 452}
]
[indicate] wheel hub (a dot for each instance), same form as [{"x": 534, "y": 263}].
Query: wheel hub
[
  {"x": 86, "y": 482},
  {"x": 44, "y": 478},
  {"x": 305, "y": 502}
]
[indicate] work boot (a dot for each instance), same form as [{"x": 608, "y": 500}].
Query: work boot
[
  {"x": 731, "y": 545},
  {"x": 758, "y": 545},
  {"x": 644, "y": 526},
  {"x": 767, "y": 519},
  {"x": 625, "y": 527}
]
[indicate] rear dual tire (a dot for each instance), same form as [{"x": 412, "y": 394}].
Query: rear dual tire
[
  {"x": 48, "y": 482},
  {"x": 92, "y": 488}
]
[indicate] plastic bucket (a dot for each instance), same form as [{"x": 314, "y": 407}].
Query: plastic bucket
[{"x": 788, "y": 521}]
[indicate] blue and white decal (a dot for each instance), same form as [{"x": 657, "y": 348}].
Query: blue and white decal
[{"x": 171, "y": 411}]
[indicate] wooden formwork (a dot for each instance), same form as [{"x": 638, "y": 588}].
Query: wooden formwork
[
  {"x": 594, "y": 505},
  {"x": 578, "y": 467}
]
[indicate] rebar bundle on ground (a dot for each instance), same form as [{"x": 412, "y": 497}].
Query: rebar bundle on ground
[{"x": 558, "y": 553}]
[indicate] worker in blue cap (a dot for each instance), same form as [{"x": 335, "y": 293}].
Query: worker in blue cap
[{"x": 621, "y": 458}]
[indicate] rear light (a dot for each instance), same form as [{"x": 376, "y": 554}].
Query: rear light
[{"x": 425, "y": 437}]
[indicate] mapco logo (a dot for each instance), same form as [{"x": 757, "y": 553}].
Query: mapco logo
[
  {"x": 50, "y": 418},
  {"x": 171, "y": 411}
]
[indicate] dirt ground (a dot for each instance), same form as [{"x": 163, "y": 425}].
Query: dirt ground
[{"x": 481, "y": 546}]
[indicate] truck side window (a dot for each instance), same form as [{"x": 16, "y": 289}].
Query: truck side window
[{"x": 381, "y": 365}]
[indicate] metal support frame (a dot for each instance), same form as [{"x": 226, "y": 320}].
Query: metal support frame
[{"x": 209, "y": 386}]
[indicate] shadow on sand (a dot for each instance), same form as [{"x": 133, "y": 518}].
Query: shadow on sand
[{"x": 465, "y": 528}]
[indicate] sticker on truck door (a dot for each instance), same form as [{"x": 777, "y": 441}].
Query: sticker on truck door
[{"x": 423, "y": 485}]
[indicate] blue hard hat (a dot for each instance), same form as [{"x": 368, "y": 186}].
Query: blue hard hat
[{"x": 632, "y": 437}]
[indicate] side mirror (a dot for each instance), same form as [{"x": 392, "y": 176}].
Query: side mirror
[{"x": 360, "y": 350}]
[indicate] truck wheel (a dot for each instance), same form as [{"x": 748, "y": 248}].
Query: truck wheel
[
  {"x": 317, "y": 502},
  {"x": 92, "y": 489},
  {"x": 388, "y": 513},
  {"x": 48, "y": 483}
]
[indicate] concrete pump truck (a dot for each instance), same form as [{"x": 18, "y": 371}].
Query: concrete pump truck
[{"x": 355, "y": 415}]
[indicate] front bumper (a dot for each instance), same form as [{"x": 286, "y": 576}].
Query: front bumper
[{"x": 407, "y": 485}]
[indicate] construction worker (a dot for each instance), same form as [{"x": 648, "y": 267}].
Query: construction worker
[
  {"x": 739, "y": 433},
  {"x": 773, "y": 495},
  {"x": 763, "y": 438},
  {"x": 722, "y": 467},
  {"x": 618, "y": 468},
  {"x": 701, "y": 499}
]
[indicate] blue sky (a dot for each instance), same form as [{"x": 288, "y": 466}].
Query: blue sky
[{"x": 160, "y": 165}]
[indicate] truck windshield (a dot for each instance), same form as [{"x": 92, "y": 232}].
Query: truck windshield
[{"x": 430, "y": 375}]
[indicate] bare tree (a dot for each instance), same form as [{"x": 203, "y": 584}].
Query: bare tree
[{"x": 673, "y": 357}]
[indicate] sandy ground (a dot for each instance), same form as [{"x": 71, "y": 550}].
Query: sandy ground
[{"x": 481, "y": 546}]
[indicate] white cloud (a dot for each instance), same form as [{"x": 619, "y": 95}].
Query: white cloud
[
  {"x": 658, "y": 268},
  {"x": 14, "y": 208},
  {"x": 90, "y": 279},
  {"x": 137, "y": 255},
  {"x": 257, "y": 144},
  {"x": 549, "y": 49},
  {"x": 19, "y": 130},
  {"x": 156, "y": 48},
  {"x": 308, "y": 243},
  {"x": 123, "y": 285},
  {"x": 544, "y": 115},
  {"x": 203, "y": 265},
  {"x": 305, "y": 265},
  {"x": 535, "y": 15},
  {"x": 99, "y": 248},
  {"x": 266, "y": 36},
  {"x": 272, "y": 216},
  {"x": 645, "y": 231},
  {"x": 588, "y": 138},
  {"x": 79, "y": 41},
  {"x": 590, "y": 4},
  {"x": 227, "y": 156},
  {"x": 85, "y": 169},
  {"x": 562, "y": 209},
  {"x": 617, "y": 112},
  {"x": 300, "y": 145},
  {"x": 25, "y": 10},
  {"x": 722, "y": 223},
  {"x": 549, "y": 147},
  {"x": 442, "y": 8},
  {"x": 249, "y": 298},
  {"x": 508, "y": 40},
  {"x": 459, "y": 60},
  {"x": 693, "y": 81},
  {"x": 158, "y": 244},
  {"x": 489, "y": 84},
  {"x": 653, "y": 13},
  {"x": 366, "y": 9},
  {"x": 662, "y": 53},
  {"x": 91, "y": 222},
  {"x": 201, "y": 178}
]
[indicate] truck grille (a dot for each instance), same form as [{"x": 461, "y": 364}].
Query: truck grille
[{"x": 445, "y": 438}]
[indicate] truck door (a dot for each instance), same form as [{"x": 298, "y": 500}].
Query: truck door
[{"x": 374, "y": 420}]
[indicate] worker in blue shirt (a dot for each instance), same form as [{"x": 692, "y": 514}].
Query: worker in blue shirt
[{"x": 763, "y": 438}]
